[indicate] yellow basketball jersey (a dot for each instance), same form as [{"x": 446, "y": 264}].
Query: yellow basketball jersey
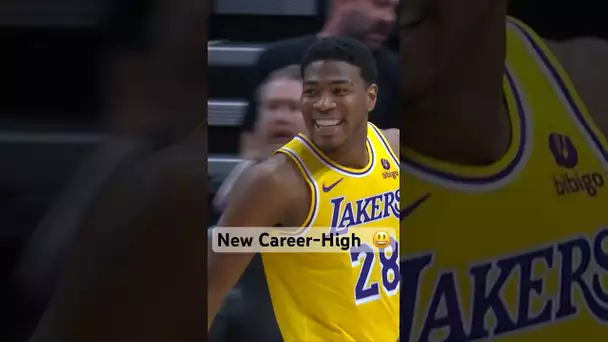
[
  {"x": 350, "y": 296},
  {"x": 518, "y": 250}
]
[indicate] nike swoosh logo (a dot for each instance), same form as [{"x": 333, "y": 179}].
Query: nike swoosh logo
[
  {"x": 331, "y": 186},
  {"x": 407, "y": 211}
]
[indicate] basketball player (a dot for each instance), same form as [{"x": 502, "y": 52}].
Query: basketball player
[
  {"x": 343, "y": 156},
  {"x": 505, "y": 171}
]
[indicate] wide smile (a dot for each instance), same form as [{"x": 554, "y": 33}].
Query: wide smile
[
  {"x": 327, "y": 126},
  {"x": 327, "y": 122}
]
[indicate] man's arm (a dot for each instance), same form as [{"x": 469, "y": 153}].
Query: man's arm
[
  {"x": 261, "y": 200},
  {"x": 586, "y": 62}
]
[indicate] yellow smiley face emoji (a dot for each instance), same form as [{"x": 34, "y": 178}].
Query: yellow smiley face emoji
[{"x": 381, "y": 239}]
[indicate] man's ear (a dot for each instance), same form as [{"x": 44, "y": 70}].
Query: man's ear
[{"x": 372, "y": 96}]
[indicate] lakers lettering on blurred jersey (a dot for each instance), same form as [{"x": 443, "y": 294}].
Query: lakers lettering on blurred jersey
[
  {"x": 350, "y": 296},
  {"x": 518, "y": 250}
]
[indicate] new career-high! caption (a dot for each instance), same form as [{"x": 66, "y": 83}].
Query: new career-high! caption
[{"x": 300, "y": 240}]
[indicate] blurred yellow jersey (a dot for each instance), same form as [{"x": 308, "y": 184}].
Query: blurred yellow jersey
[
  {"x": 349, "y": 296},
  {"x": 515, "y": 251}
]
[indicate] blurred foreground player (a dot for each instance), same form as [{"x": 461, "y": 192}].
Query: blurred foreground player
[
  {"x": 505, "y": 166},
  {"x": 325, "y": 297},
  {"x": 135, "y": 269}
]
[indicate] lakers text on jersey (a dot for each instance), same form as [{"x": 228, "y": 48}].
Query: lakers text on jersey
[
  {"x": 350, "y": 296},
  {"x": 518, "y": 250}
]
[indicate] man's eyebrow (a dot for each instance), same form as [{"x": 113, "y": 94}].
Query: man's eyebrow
[{"x": 335, "y": 82}]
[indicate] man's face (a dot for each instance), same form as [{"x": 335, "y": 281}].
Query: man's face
[
  {"x": 370, "y": 21},
  {"x": 335, "y": 103},
  {"x": 433, "y": 33},
  {"x": 280, "y": 116}
]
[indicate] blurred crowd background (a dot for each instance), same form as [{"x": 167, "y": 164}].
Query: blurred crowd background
[{"x": 65, "y": 94}]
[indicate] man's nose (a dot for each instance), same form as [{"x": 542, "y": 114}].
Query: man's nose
[{"x": 325, "y": 103}]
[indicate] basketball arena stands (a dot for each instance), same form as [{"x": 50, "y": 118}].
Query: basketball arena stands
[{"x": 238, "y": 33}]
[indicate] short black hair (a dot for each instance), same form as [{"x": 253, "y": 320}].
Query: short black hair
[{"x": 343, "y": 49}]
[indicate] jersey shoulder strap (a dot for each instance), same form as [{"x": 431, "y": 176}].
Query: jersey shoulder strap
[{"x": 306, "y": 163}]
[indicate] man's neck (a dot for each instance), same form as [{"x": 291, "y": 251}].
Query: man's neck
[
  {"x": 462, "y": 118},
  {"x": 354, "y": 153}
]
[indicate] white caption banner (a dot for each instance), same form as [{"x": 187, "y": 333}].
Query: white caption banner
[{"x": 301, "y": 240}]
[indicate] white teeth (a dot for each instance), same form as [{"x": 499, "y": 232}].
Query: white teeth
[{"x": 327, "y": 122}]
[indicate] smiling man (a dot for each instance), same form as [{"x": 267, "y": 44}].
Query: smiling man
[{"x": 310, "y": 182}]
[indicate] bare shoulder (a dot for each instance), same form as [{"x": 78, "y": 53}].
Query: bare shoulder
[
  {"x": 267, "y": 194},
  {"x": 586, "y": 62},
  {"x": 392, "y": 135},
  {"x": 275, "y": 176}
]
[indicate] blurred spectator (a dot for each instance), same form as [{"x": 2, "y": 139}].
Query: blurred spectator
[
  {"x": 279, "y": 119},
  {"x": 369, "y": 21},
  {"x": 279, "y": 114}
]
